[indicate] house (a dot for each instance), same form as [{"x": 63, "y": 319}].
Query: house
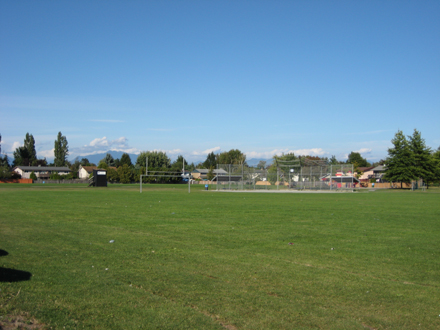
[
  {"x": 41, "y": 172},
  {"x": 85, "y": 171},
  {"x": 378, "y": 172},
  {"x": 367, "y": 173}
]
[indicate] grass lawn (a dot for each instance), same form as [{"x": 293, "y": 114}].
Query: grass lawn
[{"x": 217, "y": 260}]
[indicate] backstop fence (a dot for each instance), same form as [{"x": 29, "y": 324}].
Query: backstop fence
[{"x": 291, "y": 175}]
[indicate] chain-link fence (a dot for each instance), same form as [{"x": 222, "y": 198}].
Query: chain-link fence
[{"x": 282, "y": 176}]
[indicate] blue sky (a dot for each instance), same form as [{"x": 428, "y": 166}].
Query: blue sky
[{"x": 190, "y": 77}]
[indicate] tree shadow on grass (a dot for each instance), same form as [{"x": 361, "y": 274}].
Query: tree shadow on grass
[{"x": 12, "y": 275}]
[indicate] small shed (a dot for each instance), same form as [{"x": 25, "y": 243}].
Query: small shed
[{"x": 100, "y": 178}]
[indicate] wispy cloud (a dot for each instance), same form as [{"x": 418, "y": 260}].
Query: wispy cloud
[
  {"x": 205, "y": 152},
  {"x": 364, "y": 151}
]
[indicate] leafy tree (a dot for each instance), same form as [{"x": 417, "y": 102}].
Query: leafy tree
[
  {"x": 5, "y": 172},
  {"x": 112, "y": 175},
  {"x": 400, "y": 161},
  {"x": 61, "y": 150},
  {"x": 233, "y": 156},
  {"x": 125, "y": 160},
  {"x": 85, "y": 162},
  {"x": 156, "y": 159},
  {"x": 125, "y": 173},
  {"x": 179, "y": 163},
  {"x": 211, "y": 161},
  {"x": 102, "y": 164},
  {"x": 21, "y": 157},
  {"x": 424, "y": 162},
  {"x": 109, "y": 160},
  {"x": 357, "y": 160},
  {"x": 41, "y": 162},
  {"x": 380, "y": 162},
  {"x": 4, "y": 161},
  {"x": 261, "y": 164},
  {"x": 190, "y": 167},
  {"x": 29, "y": 144},
  {"x": 210, "y": 174},
  {"x": 33, "y": 176},
  {"x": 333, "y": 160}
]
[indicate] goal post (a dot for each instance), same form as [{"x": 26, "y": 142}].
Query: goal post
[{"x": 164, "y": 174}]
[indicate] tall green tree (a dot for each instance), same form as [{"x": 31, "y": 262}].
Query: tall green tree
[
  {"x": 4, "y": 162},
  {"x": 211, "y": 161},
  {"x": 61, "y": 150},
  {"x": 125, "y": 173},
  {"x": 400, "y": 161},
  {"x": 21, "y": 157},
  {"x": 5, "y": 172},
  {"x": 179, "y": 163},
  {"x": 29, "y": 144},
  {"x": 85, "y": 162},
  {"x": 261, "y": 164},
  {"x": 109, "y": 160},
  {"x": 156, "y": 159},
  {"x": 125, "y": 160},
  {"x": 233, "y": 156},
  {"x": 333, "y": 160},
  {"x": 424, "y": 162},
  {"x": 356, "y": 159}
]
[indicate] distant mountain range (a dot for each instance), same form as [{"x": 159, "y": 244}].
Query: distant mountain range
[{"x": 95, "y": 158}]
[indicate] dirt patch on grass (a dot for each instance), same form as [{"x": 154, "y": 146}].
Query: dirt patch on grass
[{"x": 22, "y": 322}]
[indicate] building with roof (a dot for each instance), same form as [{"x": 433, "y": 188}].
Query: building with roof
[
  {"x": 41, "y": 172},
  {"x": 202, "y": 173}
]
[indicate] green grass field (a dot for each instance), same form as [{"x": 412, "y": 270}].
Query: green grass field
[{"x": 218, "y": 260}]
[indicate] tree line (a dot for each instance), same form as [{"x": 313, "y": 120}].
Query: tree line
[{"x": 409, "y": 159}]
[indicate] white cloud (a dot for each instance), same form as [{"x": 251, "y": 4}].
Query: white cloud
[
  {"x": 15, "y": 145},
  {"x": 364, "y": 151},
  {"x": 101, "y": 145},
  {"x": 99, "y": 142},
  {"x": 205, "y": 152},
  {"x": 46, "y": 153}
]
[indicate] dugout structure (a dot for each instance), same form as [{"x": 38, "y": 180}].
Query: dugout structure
[
  {"x": 99, "y": 178},
  {"x": 298, "y": 174}
]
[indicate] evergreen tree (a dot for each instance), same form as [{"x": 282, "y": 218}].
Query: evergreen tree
[
  {"x": 4, "y": 162},
  {"x": 5, "y": 172},
  {"x": 21, "y": 157},
  {"x": 29, "y": 144},
  {"x": 61, "y": 150},
  {"x": 424, "y": 163},
  {"x": 125, "y": 160},
  {"x": 333, "y": 160},
  {"x": 211, "y": 161},
  {"x": 400, "y": 161},
  {"x": 109, "y": 160},
  {"x": 178, "y": 164}
]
